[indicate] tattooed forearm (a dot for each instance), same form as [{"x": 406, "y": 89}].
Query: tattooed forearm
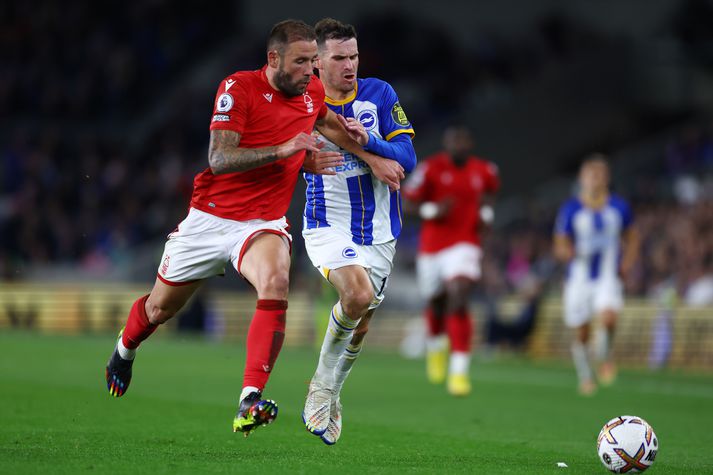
[{"x": 224, "y": 155}]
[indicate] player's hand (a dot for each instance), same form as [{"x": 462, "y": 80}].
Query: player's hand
[
  {"x": 355, "y": 129},
  {"x": 322, "y": 163},
  {"x": 388, "y": 171},
  {"x": 301, "y": 141}
]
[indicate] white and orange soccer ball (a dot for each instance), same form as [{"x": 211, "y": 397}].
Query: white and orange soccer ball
[{"x": 627, "y": 444}]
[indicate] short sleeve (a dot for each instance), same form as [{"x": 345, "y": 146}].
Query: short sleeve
[
  {"x": 563, "y": 224},
  {"x": 627, "y": 217},
  {"x": 492, "y": 177},
  {"x": 230, "y": 110}
]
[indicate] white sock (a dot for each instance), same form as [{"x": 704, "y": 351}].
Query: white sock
[
  {"x": 351, "y": 353},
  {"x": 581, "y": 362},
  {"x": 460, "y": 363},
  {"x": 124, "y": 352},
  {"x": 435, "y": 343},
  {"x": 247, "y": 390},
  {"x": 603, "y": 347},
  {"x": 336, "y": 339}
]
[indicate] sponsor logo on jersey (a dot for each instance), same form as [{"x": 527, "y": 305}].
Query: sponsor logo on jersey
[
  {"x": 398, "y": 114},
  {"x": 349, "y": 253},
  {"x": 267, "y": 96},
  {"x": 367, "y": 118},
  {"x": 228, "y": 84},
  {"x": 221, "y": 118},
  {"x": 164, "y": 265},
  {"x": 224, "y": 103},
  {"x": 308, "y": 103}
]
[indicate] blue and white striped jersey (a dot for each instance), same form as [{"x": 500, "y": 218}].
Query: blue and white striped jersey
[
  {"x": 596, "y": 235},
  {"x": 353, "y": 200}
]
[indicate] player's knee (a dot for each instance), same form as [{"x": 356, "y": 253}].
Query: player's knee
[
  {"x": 275, "y": 285},
  {"x": 356, "y": 301}
]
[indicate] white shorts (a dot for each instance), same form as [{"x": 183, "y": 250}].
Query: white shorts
[
  {"x": 459, "y": 260},
  {"x": 331, "y": 249},
  {"x": 584, "y": 298},
  {"x": 202, "y": 244}
]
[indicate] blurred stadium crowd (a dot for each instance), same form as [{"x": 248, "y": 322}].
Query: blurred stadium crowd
[{"x": 91, "y": 173}]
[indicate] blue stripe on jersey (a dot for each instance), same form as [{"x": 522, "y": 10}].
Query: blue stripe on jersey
[
  {"x": 315, "y": 210},
  {"x": 596, "y": 259},
  {"x": 395, "y": 213},
  {"x": 361, "y": 196}
]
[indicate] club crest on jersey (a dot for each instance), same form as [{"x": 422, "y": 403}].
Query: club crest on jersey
[
  {"x": 349, "y": 253},
  {"x": 224, "y": 103},
  {"x": 308, "y": 103},
  {"x": 367, "y": 118},
  {"x": 398, "y": 114}
]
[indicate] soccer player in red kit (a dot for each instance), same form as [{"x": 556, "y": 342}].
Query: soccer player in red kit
[
  {"x": 260, "y": 132},
  {"x": 449, "y": 187}
]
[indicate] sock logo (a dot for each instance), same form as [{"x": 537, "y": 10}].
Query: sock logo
[{"x": 266, "y": 368}]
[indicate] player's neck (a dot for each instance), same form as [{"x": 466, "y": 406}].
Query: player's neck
[
  {"x": 595, "y": 198},
  {"x": 335, "y": 95}
]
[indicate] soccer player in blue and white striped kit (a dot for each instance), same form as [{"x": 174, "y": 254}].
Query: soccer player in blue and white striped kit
[
  {"x": 352, "y": 218},
  {"x": 595, "y": 236}
]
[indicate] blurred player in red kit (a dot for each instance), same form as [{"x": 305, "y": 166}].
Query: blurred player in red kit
[
  {"x": 448, "y": 188},
  {"x": 260, "y": 132}
]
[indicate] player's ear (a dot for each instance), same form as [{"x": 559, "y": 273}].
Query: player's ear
[
  {"x": 273, "y": 59},
  {"x": 318, "y": 63}
]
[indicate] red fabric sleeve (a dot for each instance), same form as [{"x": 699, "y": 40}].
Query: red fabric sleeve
[{"x": 230, "y": 110}]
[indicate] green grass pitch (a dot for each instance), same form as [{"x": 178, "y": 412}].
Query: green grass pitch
[{"x": 523, "y": 417}]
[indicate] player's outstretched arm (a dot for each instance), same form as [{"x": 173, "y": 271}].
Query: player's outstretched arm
[
  {"x": 225, "y": 156},
  {"x": 386, "y": 171}
]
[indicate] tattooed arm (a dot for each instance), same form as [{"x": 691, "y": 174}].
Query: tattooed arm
[{"x": 225, "y": 156}]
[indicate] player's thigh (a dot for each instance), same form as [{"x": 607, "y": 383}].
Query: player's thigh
[
  {"x": 166, "y": 299},
  {"x": 196, "y": 250},
  {"x": 428, "y": 273},
  {"x": 577, "y": 304},
  {"x": 265, "y": 263},
  {"x": 380, "y": 259},
  {"x": 461, "y": 261},
  {"x": 608, "y": 297}
]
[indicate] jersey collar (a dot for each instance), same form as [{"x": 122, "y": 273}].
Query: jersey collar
[{"x": 346, "y": 100}]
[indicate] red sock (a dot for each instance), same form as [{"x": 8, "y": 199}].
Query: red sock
[
  {"x": 460, "y": 331},
  {"x": 434, "y": 325},
  {"x": 265, "y": 337},
  {"x": 137, "y": 327}
]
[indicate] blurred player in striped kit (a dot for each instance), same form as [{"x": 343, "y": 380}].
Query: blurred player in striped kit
[
  {"x": 450, "y": 188},
  {"x": 595, "y": 237},
  {"x": 351, "y": 219}
]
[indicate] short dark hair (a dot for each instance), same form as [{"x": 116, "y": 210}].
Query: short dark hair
[
  {"x": 331, "y": 29},
  {"x": 289, "y": 31}
]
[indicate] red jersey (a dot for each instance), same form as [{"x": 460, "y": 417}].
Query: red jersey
[
  {"x": 438, "y": 179},
  {"x": 264, "y": 117}
]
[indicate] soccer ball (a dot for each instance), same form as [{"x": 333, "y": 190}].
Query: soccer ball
[{"x": 627, "y": 444}]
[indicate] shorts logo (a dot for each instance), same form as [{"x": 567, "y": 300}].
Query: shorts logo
[
  {"x": 367, "y": 118},
  {"x": 164, "y": 266},
  {"x": 349, "y": 253},
  {"x": 398, "y": 114},
  {"x": 224, "y": 103}
]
